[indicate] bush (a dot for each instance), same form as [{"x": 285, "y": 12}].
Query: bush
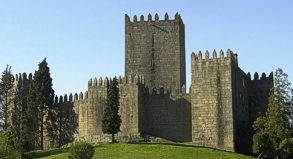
[
  {"x": 81, "y": 150},
  {"x": 7, "y": 151},
  {"x": 29, "y": 155}
]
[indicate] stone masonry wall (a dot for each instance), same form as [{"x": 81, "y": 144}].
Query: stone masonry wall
[
  {"x": 242, "y": 126},
  {"x": 132, "y": 106},
  {"x": 250, "y": 97},
  {"x": 168, "y": 115},
  {"x": 259, "y": 91},
  {"x": 20, "y": 91},
  {"x": 90, "y": 108},
  {"x": 156, "y": 49},
  {"x": 211, "y": 100},
  {"x": 67, "y": 119},
  {"x": 240, "y": 94}
]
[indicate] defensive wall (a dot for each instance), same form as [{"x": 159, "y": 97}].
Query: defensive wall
[
  {"x": 209, "y": 115},
  {"x": 155, "y": 112},
  {"x": 20, "y": 91}
]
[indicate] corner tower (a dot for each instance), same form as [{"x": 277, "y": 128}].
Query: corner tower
[
  {"x": 156, "y": 49},
  {"x": 213, "y": 99}
]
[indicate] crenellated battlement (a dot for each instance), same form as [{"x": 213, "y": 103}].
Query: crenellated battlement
[
  {"x": 71, "y": 97},
  {"x": 206, "y": 58},
  {"x": 121, "y": 80},
  {"x": 130, "y": 79},
  {"x": 100, "y": 83},
  {"x": 22, "y": 77},
  {"x": 142, "y": 19},
  {"x": 263, "y": 78}
]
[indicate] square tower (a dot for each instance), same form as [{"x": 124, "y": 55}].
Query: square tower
[{"x": 156, "y": 49}]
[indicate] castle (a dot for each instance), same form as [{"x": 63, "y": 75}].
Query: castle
[{"x": 217, "y": 112}]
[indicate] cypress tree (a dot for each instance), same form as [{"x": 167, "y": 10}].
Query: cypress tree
[
  {"x": 5, "y": 92},
  {"x": 40, "y": 105},
  {"x": 111, "y": 120}
]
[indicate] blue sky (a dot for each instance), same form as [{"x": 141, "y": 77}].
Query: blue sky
[{"x": 85, "y": 39}]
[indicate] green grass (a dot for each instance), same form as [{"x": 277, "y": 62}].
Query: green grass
[{"x": 148, "y": 150}]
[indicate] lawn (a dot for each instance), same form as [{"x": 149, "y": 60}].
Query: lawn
[{"x": 148, "y": 150}]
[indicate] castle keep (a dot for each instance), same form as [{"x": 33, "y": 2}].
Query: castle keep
[{"x": 218, "y": 110}]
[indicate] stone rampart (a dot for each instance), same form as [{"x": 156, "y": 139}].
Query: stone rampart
[
  {"x": 168, "y": 114},
  {"x": 132, "y": 104},
  {"x": 259, "y": 91},
  {"x": 211, "y": 100}
]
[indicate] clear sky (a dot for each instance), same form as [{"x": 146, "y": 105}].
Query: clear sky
[{"x": 85, "y": 39}]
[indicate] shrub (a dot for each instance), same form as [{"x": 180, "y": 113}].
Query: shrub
[
  {"x": 30, "y": 154},
  {"x": 7, "y": 151},
  {"x": 81, "y": 150}
]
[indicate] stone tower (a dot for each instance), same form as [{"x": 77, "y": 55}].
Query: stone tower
[
  {"x": 212, "y": 95},
  {"x": 156, "y": 49}
]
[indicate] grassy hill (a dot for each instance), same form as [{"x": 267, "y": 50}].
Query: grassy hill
[{"x": 147, "y": 150}]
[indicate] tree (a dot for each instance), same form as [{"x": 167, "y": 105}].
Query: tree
[
  {"x": 111, "y": 120},
  {"x": 6, "y": 86},
  {"x": 274, "y": 136},
  {"x": 40, "y": 105},
  {"x": 7, "y": 151}
]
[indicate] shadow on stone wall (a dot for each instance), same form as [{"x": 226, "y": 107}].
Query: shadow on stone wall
[
  {"x": 169, "y": 117},
  {"x": 67, "y": 123}
]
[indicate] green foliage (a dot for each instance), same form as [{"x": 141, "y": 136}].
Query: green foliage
[
  {"x": 30, "y": 155},
  {"x": 45, "y": 153},
  {"x": 274, "y": 131},
  {"x": 40, "y": 106},
  {"x": 7, "y": 151},
  {"x": 5, "y": 92},
  {"x": 111, "y": 120},
  {"x": 286, "y": 147},
  {"x": 81, "y": 150},
  {"x": 259, "y": 123}
]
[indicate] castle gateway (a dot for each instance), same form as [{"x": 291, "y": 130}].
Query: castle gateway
[{"x": 218, "y": 111}]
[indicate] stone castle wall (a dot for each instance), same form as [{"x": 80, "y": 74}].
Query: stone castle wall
[
  {"x": 67, "y": 120},
  {"x": 156, "y": 49},
  {"x": 87, "y": 109},
  {"x": 251, "y": 98},
  {"x": 132, "y": 106},
  {"x": 168, "y": 114},
  {"x": 20, "y": 92},
  {"x": 241, "y": 117},
  {"x": 223, "y": 104},
  {"x": 142, "y": 110},
  {"x": 211, "y": 100},
  {"x": 91, "y": 107},
  {"x": 259, "y": 90}
]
